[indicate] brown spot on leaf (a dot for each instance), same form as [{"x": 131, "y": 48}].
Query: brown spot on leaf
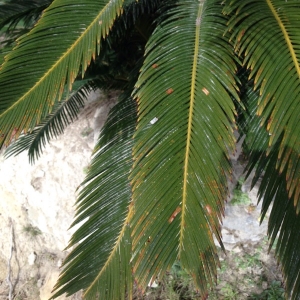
[
  {"x": 205, "y": 91},
  {"x": 174, "y": 214},
  {"x": 208, "y": 208},
  {"x": 169, "y": 91},
  {"x": 154, "y": 66}
]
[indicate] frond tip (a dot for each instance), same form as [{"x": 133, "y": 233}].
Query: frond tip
[
  {"x": 74, "y": 31},
  {"x": 103, "y": 206},
  {"x": 64, "y": 113}
]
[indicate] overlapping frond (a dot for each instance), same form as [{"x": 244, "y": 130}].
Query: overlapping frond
[
  {"x": 184, "y": 133},
  {"x": 100, "y": 263},
  {"x": 284, "y": 222},
  {"x": 64, "y": 113},
  {"x": 66, "y": 38},
  {"x": 267, "y": 34},
  {"x": 28, "y": 11}
]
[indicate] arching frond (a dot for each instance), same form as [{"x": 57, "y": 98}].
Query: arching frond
[
  {"x": 64, "y": 113},
  {"x": 267, "y": 34},
  {"x": 284, "y": 222},
  {"x": 66, "y": 38},
  {"x": 182, "y": 140},
  {"x": 100, "y": 263},
  {"x": 104, "y": 208},
  {"x": 28, "y": 11}
]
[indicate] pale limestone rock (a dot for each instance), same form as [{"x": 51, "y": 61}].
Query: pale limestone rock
[{"x": 31, "y": 258}]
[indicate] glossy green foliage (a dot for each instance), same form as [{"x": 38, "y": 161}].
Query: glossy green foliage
[
  {"x": 67, "y": 37},
  {"x": 64, "y": 113},
  {"x": 276, "y": 45},
  {"x": 156, "y": 186},
  {"x": 185, "y": 127},
  {"x": 284, "y": 221},
  {"x": 27, "y": 11},
  {"x": 102, "y": 266}
]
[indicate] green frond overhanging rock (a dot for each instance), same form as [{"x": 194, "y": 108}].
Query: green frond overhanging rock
[
  {"x": 156, "y": 187},
  {"x": 66, "y": 38}
]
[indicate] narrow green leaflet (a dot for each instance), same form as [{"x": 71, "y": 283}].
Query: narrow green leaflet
[
  {"x": 284, "y": 222},
  {"x": 66, "y": 38},
  {"x": 267, "y": 34},
  {"x": 63, "y": 114},
  {"x": 100, "y": 263},
  {"x": 28, "y": 11},
  {"x": 184, "y": 133}
]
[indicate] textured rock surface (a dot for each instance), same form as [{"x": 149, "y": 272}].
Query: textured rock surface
[{"x": 241, "y": 224}]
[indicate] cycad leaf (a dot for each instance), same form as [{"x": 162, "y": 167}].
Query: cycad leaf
[
  {"x": 12, "y": 12},
  {"x": 183, "y": 136},
  {"x": 64, "y": 113},
  {"x": 100, "y": 263},
  {"x": 4, "y": 50},
  {"x": 66, "y": 37},
  {"x": 283, "y": 222},
  {"x": 267, "y": 34}
]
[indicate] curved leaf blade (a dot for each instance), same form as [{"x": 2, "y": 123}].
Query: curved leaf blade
[
  {"x": 74, "y": 30},
  {"x": 100, "y": 263},
  {"x": 284, "y": 222},
  {"x": 267, "y": 34},
  {"x": 183, "y": 135},
  {"x": 64, "y": 113}
]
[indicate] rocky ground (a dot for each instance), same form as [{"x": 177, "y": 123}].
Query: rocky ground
[{"x": 36, "y": 209}]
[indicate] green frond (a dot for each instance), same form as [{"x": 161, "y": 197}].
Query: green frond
[
  {"x": 4, "y": 50},
  {"x": 100, "y": 262},
  {"x": 64, "y": 113},
  {"x": 66, "y": 38},
  {"x": 184, "y": 133},
  {"x": 284, "y": 222},
  {"x": 266, "y": 33},
  {"x": 28, "y": 11}
]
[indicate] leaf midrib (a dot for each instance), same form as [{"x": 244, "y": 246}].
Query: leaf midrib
[
  {"x": 112, "y": 253},
  {"x": 190, "y": 121},
  {"x": 65, "y": 54},
  {"x": 286, "y": 36}
]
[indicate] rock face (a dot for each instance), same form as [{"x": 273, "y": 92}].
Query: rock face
[
  {"x": 36, "y": 207},
  {"x": 241, "y": 225},
  {"x": 37, "y": 201}
]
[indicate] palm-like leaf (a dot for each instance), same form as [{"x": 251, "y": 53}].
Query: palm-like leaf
[
  {"x": 183, "y": 136},
  {"x": 66, "y": 37},
  {"x": 279, "y": 102},
  {"x": 102, "y": 265},
  {"x": 4, "y": 50},
  {"x": 64, "y": 113},
  {"x": 284, "y": 222},
  {"x": 184, "y": 133},
  {"x": 12, "y": 12}
]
